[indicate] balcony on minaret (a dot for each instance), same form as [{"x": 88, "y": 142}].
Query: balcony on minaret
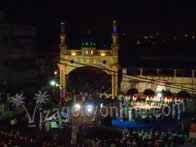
[
  {"x": 62, "y": 39},
  {"x": 114, "y": 32}
]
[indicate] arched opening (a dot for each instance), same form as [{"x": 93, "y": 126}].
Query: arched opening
[
  {"x": 166, "y": 93},
  {"x": 149, "y": 92},
  {"x": 132, "y": 91},
  {"x": 89, "y": 79},
  {"x": 183, "y": 94}
]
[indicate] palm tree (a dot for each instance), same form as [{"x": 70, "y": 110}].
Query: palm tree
[
  {"x": 41, "y": 98},
  {"x": 18, "y": 101}
]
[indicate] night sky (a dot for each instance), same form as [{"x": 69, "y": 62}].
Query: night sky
[{"x": 166, "y": 17}]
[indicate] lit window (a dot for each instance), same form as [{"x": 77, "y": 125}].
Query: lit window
[
  {"x": 103, "y": 54},
  {"x": 86, "y": 52},
  {"x": 91, "y": 52}
]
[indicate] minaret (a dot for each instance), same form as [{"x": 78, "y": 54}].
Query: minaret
[
  {"x": 62, "y": 47},
  {"x": 114, "y": 45},
  {"x": 62, "y": 37},
  {"x": 115, "y": 66}
]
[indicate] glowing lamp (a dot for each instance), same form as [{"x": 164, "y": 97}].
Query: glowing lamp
[
  {"x": 77, "y": 107},
  {"x": 159, "y": 94},
  {"x": 55, "y": 72},
  {"x": 52, "y": 83},
  {"x": 103, "y": 54},
  {"x": 89, "y": 108},
  {"x": 73, "y": 53}
]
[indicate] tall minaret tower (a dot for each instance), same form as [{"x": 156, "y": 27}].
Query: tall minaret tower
[
  {"x": 61, "y": 65},
  {"x": 115, "y": 66},
  {"x": 62, "y": 36},
  {"x": 115, "y": 45}
]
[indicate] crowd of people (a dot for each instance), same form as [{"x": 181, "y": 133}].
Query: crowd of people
[
  {"x": 152, "y": 138},
  {"x": 18, "y": 138},
  {"x": 134, "y": 138},
  {"x": 138, "y": 138}
]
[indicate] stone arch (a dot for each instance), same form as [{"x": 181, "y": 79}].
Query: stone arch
[
  {"x": 166, "y": 93},
  {"x": 92, "y": 77},
  {"x": 183, "y": 94},
  {"x": 132, "y": 91},
  {"x": 149, "y": 92},
  {"x": 75, "y": 67}
]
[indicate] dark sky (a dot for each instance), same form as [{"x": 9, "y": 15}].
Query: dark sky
[{"x": 135, "y": 16}]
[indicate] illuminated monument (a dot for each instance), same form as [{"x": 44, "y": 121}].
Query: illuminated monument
[{"x": 88, "y": 55}]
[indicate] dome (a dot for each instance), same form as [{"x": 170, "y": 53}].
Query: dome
[
  {"x": 88, "y": 41},
  {"x": 89, "y": 44}
]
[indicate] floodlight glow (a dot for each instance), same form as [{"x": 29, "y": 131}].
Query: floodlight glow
[
  {"x": 77, "y": 107},
  {"x": 89, "y": 108},
  {"x": 52, "y": 83},
  {"x": 159, "y": 94}
]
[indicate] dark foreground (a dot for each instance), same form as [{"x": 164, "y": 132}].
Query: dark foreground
[{"x": 89, "y": 136}]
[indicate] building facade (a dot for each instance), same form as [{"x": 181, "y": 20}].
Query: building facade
[
  {"x": 173, "y": 80},
  {"x": 88, "y": 55}
]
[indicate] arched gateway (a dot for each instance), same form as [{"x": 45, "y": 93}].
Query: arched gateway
[{"x": 88, "y": 55}]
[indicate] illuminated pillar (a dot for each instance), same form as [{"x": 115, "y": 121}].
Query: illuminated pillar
[
  {"x": 193, "y": 73},
  {"x": 158, "y": 70},
  {"x": 193, "y": 76},
  {"x": 62, "y": 80},
  {"x": 116, "y": 84},
  {"x": 174, "y": 72},
  {"x": 141, "y": 71},
  {"x": 114, "y": 81},
  {"x": 113, "y": 85}
]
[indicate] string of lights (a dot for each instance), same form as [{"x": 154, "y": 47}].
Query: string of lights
[{"x": 126, "y": 76}]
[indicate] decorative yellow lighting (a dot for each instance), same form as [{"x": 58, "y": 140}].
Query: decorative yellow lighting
[
  {"x": 55, "y": 72},
  {"x": 160, "y": 88},
  {"x": 73, "y": 53},
  {"x": 103, "y": 54},
  {"x": 114, "y": 67}
]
